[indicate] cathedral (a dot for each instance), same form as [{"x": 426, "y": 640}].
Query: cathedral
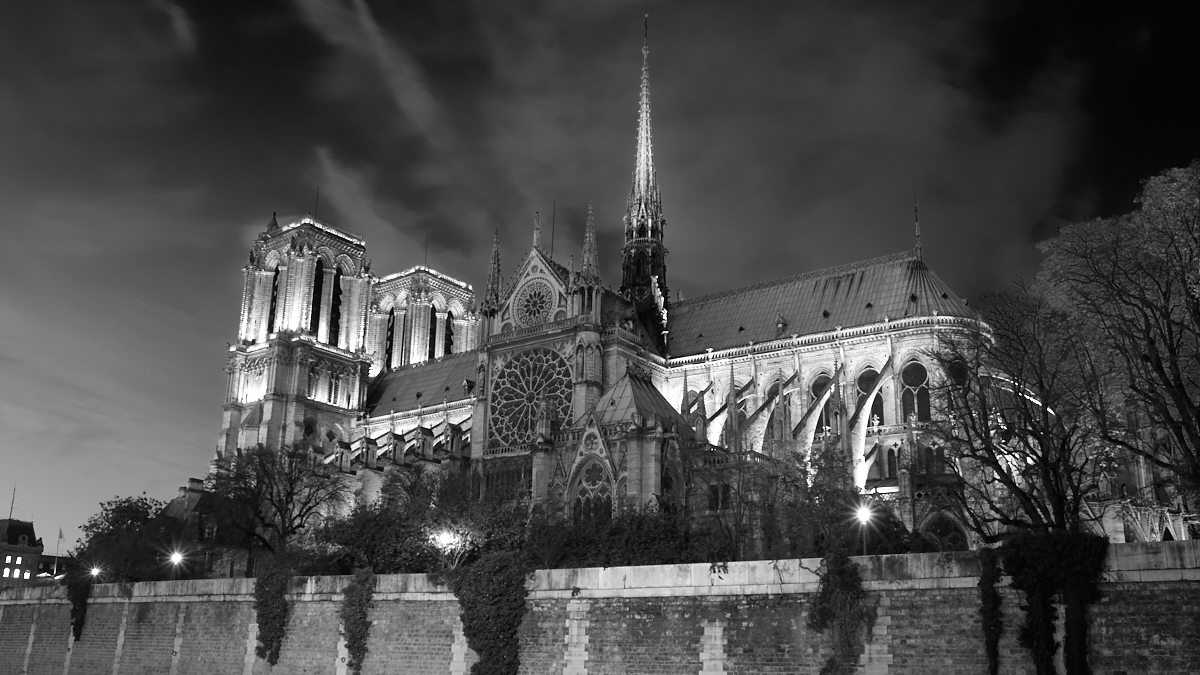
[{"x": 585, "y": 397}]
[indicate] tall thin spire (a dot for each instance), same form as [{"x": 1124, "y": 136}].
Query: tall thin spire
[
  {"x": 917, "y": 225},
  {"x": 537, "y": 230},
  {"x": 589, "y": 271},
  {"x": 491, "y": 295},
  {"x": 643, "y": 197}
]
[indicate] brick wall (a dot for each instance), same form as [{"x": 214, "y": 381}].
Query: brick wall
[{"x": 748, "y": 618}]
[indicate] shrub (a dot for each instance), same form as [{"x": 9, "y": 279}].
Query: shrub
[{"x": 271, "y": 611}]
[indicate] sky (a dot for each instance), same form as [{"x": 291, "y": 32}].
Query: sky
[{"x": 144, "y": 144}]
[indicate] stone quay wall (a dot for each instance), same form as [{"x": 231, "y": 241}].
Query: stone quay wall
[{"x": 745, "y": 617}]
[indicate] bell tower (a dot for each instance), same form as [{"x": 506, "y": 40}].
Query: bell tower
[{"x": 644, "y": 257}]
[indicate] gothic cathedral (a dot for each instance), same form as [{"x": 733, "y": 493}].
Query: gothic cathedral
[{"x": 585, "y": 398}]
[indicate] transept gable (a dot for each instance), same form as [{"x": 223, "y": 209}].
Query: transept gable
[{"x": 537, "y": 294}]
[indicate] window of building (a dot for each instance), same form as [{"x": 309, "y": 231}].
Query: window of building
[
  {"x": 26, "y": 574},
  {"x": 720, "y": 496},
  {"x": 18, "y": 560},
  {"x": 335, "y": 387},
  {"x": 915, "y": 399},
  {"x": 335, "y": 308},
  {"x": 6, "y": 571},
  {"x": 8, "y": 558},
  {"x": 824, "y": 422},
  {"x": 866, "y": 382},
  {"x": 318, "y": 294}
]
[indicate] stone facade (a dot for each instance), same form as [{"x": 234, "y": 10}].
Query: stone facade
[{"x": 679, "y": 619}]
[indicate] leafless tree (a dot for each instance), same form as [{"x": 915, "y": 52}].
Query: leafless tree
[
  {"x": 1015, "y": 434},
  {"x": 1133, "y": 283},
  {"x": 273, "y": 495}
]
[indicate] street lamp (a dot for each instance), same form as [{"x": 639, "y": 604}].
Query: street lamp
[
  {"x": 451, "y": 545},
  {"x": 176, "y": 558},
  {"x": 864, "y": 517},
  {"x": 96, "y": 572}
]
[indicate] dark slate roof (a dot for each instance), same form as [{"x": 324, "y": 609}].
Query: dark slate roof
[
  {"x": 397, "y": 389},
  {"x": 634, "y": 392},
  {"x": 895, "y": 286},
  {"x": 11, "y": 531}
]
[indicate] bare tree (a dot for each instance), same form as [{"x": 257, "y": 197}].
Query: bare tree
[
  {"x": 1015, "y": 434},
  {"x": 273, "y": 495},
  {"x": 1133, "y": 282}
]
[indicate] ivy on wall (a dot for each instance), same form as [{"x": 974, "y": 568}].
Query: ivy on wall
[
  {"x": 1044, "y": 565},
  {"x": 271, "y": 611},
  {"x": 79, "y": 589},
  {"x": 492, "y": 595},
  {"x": 356, "y": 627},
  {"x": 838, "y": 607},
  {"x": 990, "y": 614}
]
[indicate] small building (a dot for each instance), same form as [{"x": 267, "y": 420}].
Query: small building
[{"x": 20, "y": 551}]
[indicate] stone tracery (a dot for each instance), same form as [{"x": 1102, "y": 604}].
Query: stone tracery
[{"x": 528, "y": 375}]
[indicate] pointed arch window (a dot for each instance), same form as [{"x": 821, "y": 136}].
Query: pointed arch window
[
  {"x": 335, "y": 308},
  {"x": 432, "y": 341},
  {"x": 593, "y": 501},
  {"x": 915, "y": 399},
  {"x": 825, "y": 420},
  {"x": 318, "y": 291},
  {"x": 866, "y": 382},
  {"x": 390, "y": 340},
  {"x": 448, "y": 343},
  {"x": 271, "y": 327}
]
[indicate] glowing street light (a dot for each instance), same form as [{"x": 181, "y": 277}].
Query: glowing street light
[
  {"x": 95, "y": 572},
  {"x": 451, "y": 545},
  {"x": 864, "y": 517},
  {"x": 176, "y": 558}
]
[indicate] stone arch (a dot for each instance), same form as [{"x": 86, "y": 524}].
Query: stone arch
[
  {"x": 592, "y": 492},
  {"x": 456, "y": 308},
  {"x": 387, "y": 302},
  {"x": 273, "y": 260},
  {"x": 328, "y": 255},
  {"x": 438, "y": 301},
  {"x": 943, "y": 529},
  {"x": 346, "y": 264}
]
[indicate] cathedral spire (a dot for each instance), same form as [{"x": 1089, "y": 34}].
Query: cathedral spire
[
  {"x": 917, "y": 225},
  {"x": 537, "y": 230},
  {"x": 643, "y": 258},
  {"x": 589, "y": 270},
  {"x": 491, "y": 295}
]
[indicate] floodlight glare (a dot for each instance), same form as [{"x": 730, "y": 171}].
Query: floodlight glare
[
  {"x": 864, "y": 515},
  {"x": 95, "y": 571},
  {"x": 176, "y": 558}
]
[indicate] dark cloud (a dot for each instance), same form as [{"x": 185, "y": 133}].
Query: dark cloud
[{"x": 144, "y": 144}]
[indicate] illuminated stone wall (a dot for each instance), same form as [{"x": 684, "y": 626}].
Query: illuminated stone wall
[{"x": 680, "y": 619}]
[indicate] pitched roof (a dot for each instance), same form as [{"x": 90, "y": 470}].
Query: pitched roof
[
  {"x": 634, "y": 393},
  {"x": 862, "y": 293},
  {"x": 12, "y": 530},
  {"x": 435, "y": 380}
]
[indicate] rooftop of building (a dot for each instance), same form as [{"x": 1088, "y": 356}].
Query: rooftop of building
[
  {"x": 423, "y": 384},
  {"x": 868, "y": 292},
  {"x": 12, "y": 530}
]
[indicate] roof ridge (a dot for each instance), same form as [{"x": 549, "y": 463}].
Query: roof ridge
[{"x": 814, "y": 274}]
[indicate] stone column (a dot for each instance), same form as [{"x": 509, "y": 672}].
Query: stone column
[
  {"x": 418, "y": 331},
  {"x": 399, "y": 338}
]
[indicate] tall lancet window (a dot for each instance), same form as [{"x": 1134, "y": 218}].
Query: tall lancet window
[
  {"x": 915, "y": 398},
  {"x": 275, "y": 282},
  {"x": 389, "y": 344},
  {"x": 318, "y": 291},
  {"x": 866, "y": 382},
  {"x": 335, "y": 308},
  {"x": 432, "y": 341},
  {"x": 448, "y": 344}
]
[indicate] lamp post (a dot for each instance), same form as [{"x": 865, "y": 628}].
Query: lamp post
[
  {"x": 864, "y": 517},
  {"x": 96, "y": 572}
]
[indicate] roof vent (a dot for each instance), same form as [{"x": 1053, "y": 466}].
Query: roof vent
[
  {"x": 945, "y": 297},
  {"x": 741, "y": 328},
  {"x": 825, "y": 314},
  {"x": 870, "y": 305},
  {"x": 913, "y": 297}
]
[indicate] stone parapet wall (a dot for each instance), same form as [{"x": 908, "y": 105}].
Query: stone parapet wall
[{"x": 740, "y": 617}]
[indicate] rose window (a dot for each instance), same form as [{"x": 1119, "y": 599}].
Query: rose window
[
  {"x": 593, "y": 497},
  {"x": 533, "y": 303},
  {"x": 537, "y": 373}
]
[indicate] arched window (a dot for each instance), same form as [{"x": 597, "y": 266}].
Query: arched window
[
  {"x": 271, "y": 328},
  {"x": 866, "y": 382},
  {"x": 915, "y": 399},
  {"x": 432, "y": 341},
  {"x": 720, "y": 496},
  {"x": 891, "y": 463},
  {"x": 389, "y": 342},
  {"x": 318, "y": 291},
  {"x": 448, "y": 344},
  {"x": 335, "y": 308},
  {"x": 825, "y": 420},
  {"x": 779, "y": 424},
  {"x": 948, "y": 535},
  {"x": 593, "y": 496}
]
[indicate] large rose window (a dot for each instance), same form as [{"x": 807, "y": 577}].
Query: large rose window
[
  {"x": 533, "y": 303},
  {"x": 534, "y": 373}
]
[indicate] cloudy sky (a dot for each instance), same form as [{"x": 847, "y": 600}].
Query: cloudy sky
[{"x": 144, "y": 144}]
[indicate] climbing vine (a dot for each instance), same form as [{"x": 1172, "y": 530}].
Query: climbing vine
[
  {"x": 1048, "y": 564},
  {"x": 492, "y": 595},
  {"x": 79, "y": 589},
  {"x": 271, "y": 611},
  {"x": 356, "y": 627},
  {"x": 838, "y": 607},
  {"x": 989, "y": 607}
]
